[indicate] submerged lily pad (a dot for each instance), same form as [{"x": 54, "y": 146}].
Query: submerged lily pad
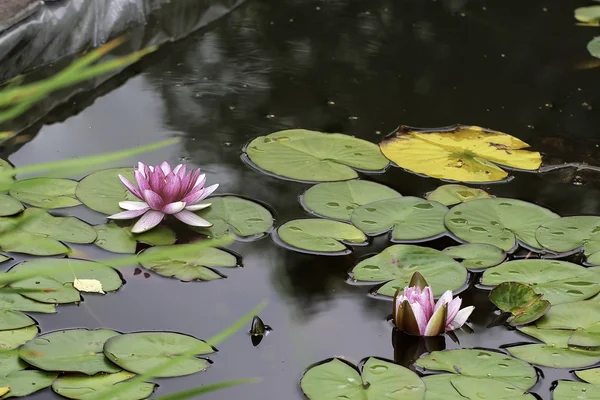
[
  {"x": 11, "y": 339},
  {"x": 25, "y": 382},
  {"x": 10, "y": 319},
  {"x": 46, "y": 192},
  {"x": 460, "y": 153},
  {"x": 412, "y": 218},
  {"x": 141, "y": 352},
  {"x": 559, "y": 281},
  {"x": 476, "y": 363},
  {"x": 589, "y": 375},
  {"x": 477, "y": 256},
  {"x": 339, "y": 199},
  {"x": 319, "y": 235},
  {"x": 380, "y": 380},
  {"x": 398, "y": 263},
  {"x": 568, "y": 390},
  {"x": 52, "y": 285},
  {"x": 521, "y": 301},
  {"x": 499, "y": 221},
  {"x": 571, "y": 233},
  {"x": 9, "y": 206},
  {"x": 83, "y": 387},
  {"x": 241, "y": 217},
  {"x": 102, "y": 191},
  {"x": 74, "y": 350},
  {"x": 41, "y": 233},
  {"x": 555, "y": 357},
  {"x": 450, "y": 195},
  {"x": 190, "y": 267},
  {"x": 314, "y": 156},
  {"x": 117, "y": 239}
]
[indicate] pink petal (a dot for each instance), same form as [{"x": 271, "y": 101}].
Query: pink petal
[
  {"x": 128, "y": 214},
  {"x": 460, "y": 319},
  {"x": 188, "y": 217},
  {"x": 173, "y": 208},
  {"x": 130, "y": 186},
  {"x": 142, "y": 169},
  {"x": 154, "y": 200},
  {"x": 148, "y": 221},
  {"x": 142, "y": 181},
  {"x": 157, "y": 180},
  {"x": 445, "y": 299},
  {"x": 133, "y": 205},
  {"x": 200, "y": 181},
  {"x": 179, "y": 170},
  {"x": 453, "y": 308},
  {"x": 186, "y": 181},
  {"x": 419, "y": 316},
  {"x": 148, "y": 168},
  {"x": 193, "y": 178},
  {"x": 166, "y": 168},
  {"x": 430, "y": 301},
  {"x": 171, "y": 189},
  {"x": 198, "y": 194},
  {"x": 196, "y": 207}
]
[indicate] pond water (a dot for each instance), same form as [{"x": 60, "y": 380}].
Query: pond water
[{"x": 360, "y": 67}]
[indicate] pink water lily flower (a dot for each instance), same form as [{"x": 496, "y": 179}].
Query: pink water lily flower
[
  {"x": 416, "y": 312},
  {"x": 165, "y": 191}
]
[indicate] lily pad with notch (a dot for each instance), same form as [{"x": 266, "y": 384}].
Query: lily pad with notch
[
  {"x": 102, "y": 190},
  {"x": 190, "y": 267},
  {"x": 51, "y": 279},
  {"x": 73, "y": 350},
  {"x": 235, "y": 215},
  {"x": 571, "y": 233},
  {"x": 397, "y": 264},
  {"x": 338, "y": 200},
  {"x": 412, "y": 218},
  {"x": 46, "y": 193},
  {"x": 311, "y": 156},
  {"x": 476, "y": 256},
  {"x": 377, "y": 379},
  {"x": 452, "y": 194},
  {"x": 141, "y": 352},
  {"x": 521, "y": 301},
  {"x": 498, "y": 221},
  {"x": 459, "y": 153},
  {"x": 559, "y": 281},
  {"x": 83, "y": 387},
  {"x": 479, "y": 363},
  {"x": 320, "y": 235}
]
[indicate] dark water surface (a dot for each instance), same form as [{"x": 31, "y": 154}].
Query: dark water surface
[{"x": 359, "y": 67}]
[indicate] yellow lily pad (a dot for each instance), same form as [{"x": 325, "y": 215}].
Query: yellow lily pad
[{"x": 460, "y": 153}]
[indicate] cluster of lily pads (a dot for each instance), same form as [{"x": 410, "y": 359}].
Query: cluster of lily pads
[
  {"x": 590, "y": 16},
  {"x": 488, "y": 230}
]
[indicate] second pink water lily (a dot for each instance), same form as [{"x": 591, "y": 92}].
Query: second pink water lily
[
  {"x": 416, "y": 312},
  {"x": 164, "y": 191}
]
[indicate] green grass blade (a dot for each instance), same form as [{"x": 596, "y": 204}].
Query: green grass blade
[
  {"x": 202, "y": 390},
  {"x": 222, "y": 336}
]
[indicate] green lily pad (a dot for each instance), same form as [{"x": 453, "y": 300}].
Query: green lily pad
[
  {"x": 593, "y": 47},
  {"x": 12, "y": 339},
  {"x": 588, "y": 14},
  {"x": 314, "y": 156},
  {"x": 581, "y": 314},
  {"x": 412, "y": 218},
  {"x": 10, "y": 319},
  {"x": 319, "y": 235},
  {"x": 338, "y": 200},
  {"x": 552, "y": 337},
  {"x": 489, "y": 389},
  {"x": 46, "y": 192},
  {"x": 477, "y": 363},
  {"x": 587, "y": 338},
  {"x": 241, "y": 217},
  {"x": 589, "y": 375},
  {"x": 439, "y": 387},
  {"x": 117, "y": 239},
  {"x": 191, "y": 267},
  {"x": 570, "y": 233},
  {"x": 380, "y": 380},
  {"x": 568, "y": 390},
  {"x": 501, "y": 222},
  {"x": 10, "y": 362},
  {"x": 41, "y": 233},
  {"x": 74, "y": 350},
  {"x": 56, "y": 286},
  {"x": 476, "y": 256},
  {"x": 9, "y": 206},
  {"x": 450, "y": 195},
  {"x": 142, "y": 351},
  {"x": 398, "y": 263},
  {"x": 555, "y": 357},
  {"x": 6, "y": 181},
  {"x": 102, "y": 191},
  {"x": 521, "y": 301},
  {"x": 83, "y": 387},
  {"x": 559, "y": 281},
  {"x": 14, "y": 301},
  {"x": 26, "y": 382}
]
